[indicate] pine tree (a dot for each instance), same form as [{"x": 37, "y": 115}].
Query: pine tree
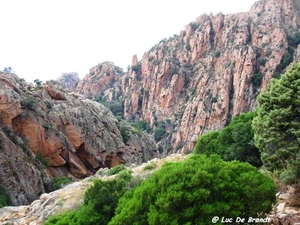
[{"x": 277, "y": 126}]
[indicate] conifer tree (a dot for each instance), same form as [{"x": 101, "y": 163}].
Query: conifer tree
[{"x": 277, "y": 126}]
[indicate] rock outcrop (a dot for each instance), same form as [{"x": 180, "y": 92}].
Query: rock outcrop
[
  {"x": 69, "y": 80},
  {"x": 100, "y": 78},
  {"x": 47, "y": 132},
  {"x": 213, "y": 70}
]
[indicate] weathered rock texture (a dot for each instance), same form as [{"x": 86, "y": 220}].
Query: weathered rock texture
[
  {"x": 47, "y": 132},
  {"x": 100, "y": 78},
  {"x": 69, "y": 80},
  {"x": 213, "y": 70}
]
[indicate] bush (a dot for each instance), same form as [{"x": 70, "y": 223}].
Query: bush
[
  {"x": 99, "y": 205},
  {"x": 125, "y": 175},
  {"x": 42, "y": 159},
  {"x": 150, "y": 166},
  {"x": 196, "y": 190},
  {"x": 29, "y": 103},
  {"x": 47, "y": 125},
  {"x": 137, "y": 68},
  {"x": 217, "y": 53},
  {"x": 4, "y": 198},
  {"x": 125, "y": 134},
  {"x": 159, "y": 131},
  {"x": 116, "y": 170},
  {"x": 61, "y": 181},
  {"x": 288, "y": 177},
  {"x": 256, "y": 79},
  {"x": 286, "y": 60},
  {"x": 262, "y": 61},
  {"x": 294, "y": 40},
  {"x": 234, "y": 142}
]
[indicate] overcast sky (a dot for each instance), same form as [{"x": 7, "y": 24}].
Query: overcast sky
[{"x": 41, "y": 39}]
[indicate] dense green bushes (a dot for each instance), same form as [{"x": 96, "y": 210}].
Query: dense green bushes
[
  {"x": 194, "y": 191},
  {"x": 234, "y": 142},
  {"x": 59, "y": 182},
  {"x": 115, "y": 170},
  {"x": 188, "y": 192}
]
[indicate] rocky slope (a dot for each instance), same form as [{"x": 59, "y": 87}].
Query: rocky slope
[
  {"x": 70, "y": 197},
  {"x": 214, "y": 69},
  {"x": 47, "y": 132}
]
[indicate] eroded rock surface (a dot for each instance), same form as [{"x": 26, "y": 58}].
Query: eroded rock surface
[{"x": 47, "y": 132}]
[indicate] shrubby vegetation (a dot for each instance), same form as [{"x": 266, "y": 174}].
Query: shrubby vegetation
[
  {"x": 159, "y": 131},
  {"x": 194, "y": 191},
  {"x": 98, "y": 207},
  {"x": 276, "y": 128},
  {"x": 29, "y": 103},
  {"x": 234, "y": 142},
  {"x": 116, "y": 170},
  {"x": 116, "y": 107},
  {"x": 4, "y": 198},
  {"x": 61, "y": 181}
]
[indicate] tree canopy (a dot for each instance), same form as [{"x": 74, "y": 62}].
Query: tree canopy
[
  {"x": 234, "y": 142},
  {"x": 196, "y": 190},
  {"x": 277, "y": 126}
]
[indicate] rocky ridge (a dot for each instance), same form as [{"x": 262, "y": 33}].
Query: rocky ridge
[
  {"x": 198, "y": 80},
  {"x": 47, "y": 132}
]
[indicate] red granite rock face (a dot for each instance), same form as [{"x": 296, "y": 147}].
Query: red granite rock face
[
  {"x": 47, "y": 132},
  {"x": 213, "y": 70}
]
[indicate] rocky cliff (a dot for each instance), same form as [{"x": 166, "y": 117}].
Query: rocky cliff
[
  {"x": 47, "y": 132},
  {"x": 214, "y": 69}
]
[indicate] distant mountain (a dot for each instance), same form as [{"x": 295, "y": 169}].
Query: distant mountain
[
  {"x": 69, "y": 80},
  {"x": 197, "y": 81}
]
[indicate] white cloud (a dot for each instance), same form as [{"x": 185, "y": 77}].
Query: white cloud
[{"x": 42, "y": 39}]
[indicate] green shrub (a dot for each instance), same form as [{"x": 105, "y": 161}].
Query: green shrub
[
  {"x": 294, "y": 40},
  {"x": 4, "y": 198},
  {"x": 234, "y": 142},
  {"x": 115, "y": 170},
  {"x": 262, "y": 61},
  {"x": 125, "y": 175},
  {"x": 42, "y": 159},
  {"x": 61, "y": 181},
  {"x": 288, "y": 177},
  {"x": 217, "y": 53},
  {"x": 286, "y": 60},
  {"x": 150, "y": 166},
  {"x": 29, "y": 103},
  {"x": 196, "y": 190},
  {"x": 257, "y": 78},
  {"x": 125, "y": 134},
  {"x": 47, "y": 125},
  {"x": 159, "y": 131},
  {"x": 99, "y": 205}
]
